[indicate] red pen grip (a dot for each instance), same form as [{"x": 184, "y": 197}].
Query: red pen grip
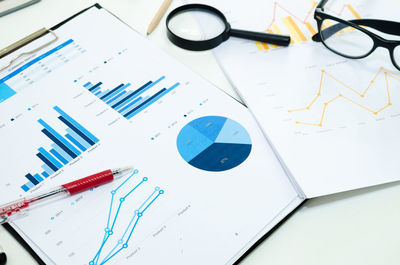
[{"x": 89, "y": 182}]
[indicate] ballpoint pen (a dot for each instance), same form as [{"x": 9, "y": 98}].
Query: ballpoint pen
[{"x": 19, "y": 206}]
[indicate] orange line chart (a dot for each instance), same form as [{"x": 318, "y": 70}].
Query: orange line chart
[
  {"x": 362, "y": 94},
  {"x": 300, "y": 30}
]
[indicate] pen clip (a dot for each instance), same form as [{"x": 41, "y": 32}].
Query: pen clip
[{"x": 15, "y": 46}]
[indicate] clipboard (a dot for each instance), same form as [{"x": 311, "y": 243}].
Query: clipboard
[
  {"x": 30, "y": 38},
  {"x": 6, "y": 51},
  {"x": 34, "y": 36},
  {"x": 28, "y": 248}
]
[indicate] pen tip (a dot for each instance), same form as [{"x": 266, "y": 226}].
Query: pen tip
[{"x": 119, "y": 172}]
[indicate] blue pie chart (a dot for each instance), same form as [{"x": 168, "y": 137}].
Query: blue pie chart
[{"x": 214, "y": 143}]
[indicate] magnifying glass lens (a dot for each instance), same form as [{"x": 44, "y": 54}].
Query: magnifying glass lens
[
  {"x": 196, "y": 25},
  {"x": 199, "y": 27}
]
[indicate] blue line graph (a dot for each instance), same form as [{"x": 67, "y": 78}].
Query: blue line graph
[{"x": 102, "y": 256}]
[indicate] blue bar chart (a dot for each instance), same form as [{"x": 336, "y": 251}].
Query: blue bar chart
[
  {"x": 127, "y": 99},
  {"x": 64, "y": 147}
]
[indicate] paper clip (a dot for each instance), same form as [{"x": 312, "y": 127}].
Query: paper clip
[{"x": 15, "y": 46}]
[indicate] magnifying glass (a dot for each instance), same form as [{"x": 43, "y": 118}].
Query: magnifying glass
[{"x": 200, "y": 27}]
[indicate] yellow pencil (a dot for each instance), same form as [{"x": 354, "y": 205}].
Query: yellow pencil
[{"x": 158, "y": 16}]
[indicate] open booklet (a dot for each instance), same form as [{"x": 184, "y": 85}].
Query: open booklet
[
  {"x": 206, "y": 185},
  {"x": 333, "y": 121}
]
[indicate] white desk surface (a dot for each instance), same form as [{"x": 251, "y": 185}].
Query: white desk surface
[{"x": 360, "y": 227}]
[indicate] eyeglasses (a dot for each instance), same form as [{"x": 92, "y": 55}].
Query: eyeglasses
[{"x": 351, "y": 39}]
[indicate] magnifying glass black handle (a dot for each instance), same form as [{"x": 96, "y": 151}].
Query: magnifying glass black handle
[{"x": 281, "y": 40}]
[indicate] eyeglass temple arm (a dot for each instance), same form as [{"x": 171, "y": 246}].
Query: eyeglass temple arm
[
  {"x": 322, "y": 3},
  {"x": 389, "y": 27}
]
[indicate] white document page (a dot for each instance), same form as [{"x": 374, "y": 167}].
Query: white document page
[
  {"x": 332, "y": 120},
  {"x": 206, "y": 184}
]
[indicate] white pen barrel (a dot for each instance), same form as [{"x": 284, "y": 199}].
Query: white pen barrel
[{"x": 12, "y": 210}]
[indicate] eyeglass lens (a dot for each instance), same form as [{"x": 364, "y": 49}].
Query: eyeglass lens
[{"x": 345, "y": 39}]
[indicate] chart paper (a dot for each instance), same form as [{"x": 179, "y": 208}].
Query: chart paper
[
  {"x": 206, "y": 184},
  {"x": 332, "y": 120}
]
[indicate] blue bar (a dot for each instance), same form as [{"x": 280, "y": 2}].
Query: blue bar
[
  {"x": 37, "y": 59},
  {"x": 45, "y": 174},
  {"x": 126, "y": 86},
  {"x": 61, "y": 144},
  {"x": 87, "y": 84},
  {"x": 173, "y": 86},
  {"x": 78, "y": 138},
  {"x": 76, "y": 130},
  {"x": 96, "y": 85},
  {"x": 59, "y": 156},
  {"x": 125, "y": 102},
  {"x": 47, "y": 162},
  {"x": 114, "y": 98},
  {"x": 47, "y": 169},
  {"x": 30, "y": 185},
  {"x": 31, "y": 179},
  {"x": 59, "y": 139},
  {"x": 123, "y": 88},
  {"x": 131, "y": 96},
  {"x": 6, "y": 92},
  {"x": 76, "y": 142},
  {"x": 112, "y": 92},
  {"x": 143, "y": 104},
  {"x": 133, "y": 105},
  {"x": 77, "y": 125},
  {"x": 140, "y": 90},
  {"x": 38, "y": 177},
  {"x": 150, "y": 101},
  {"x": 25, "y": 188},
  {"x": 122, "y": 98},
  {"x": 103, "y": 93},
  {"x": 62, "y": 152},
  {"x": 50, "y": 157},
  {"x": 97, "y": 93},
  {"x": 96, "y": 89}
]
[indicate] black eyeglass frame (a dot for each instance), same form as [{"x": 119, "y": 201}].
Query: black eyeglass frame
[{"x": 385, "y": 26}]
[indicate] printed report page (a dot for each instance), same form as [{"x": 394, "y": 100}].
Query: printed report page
[
  {"x": 206, "y": 184},
  {"x": 332, "y": 120}
]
